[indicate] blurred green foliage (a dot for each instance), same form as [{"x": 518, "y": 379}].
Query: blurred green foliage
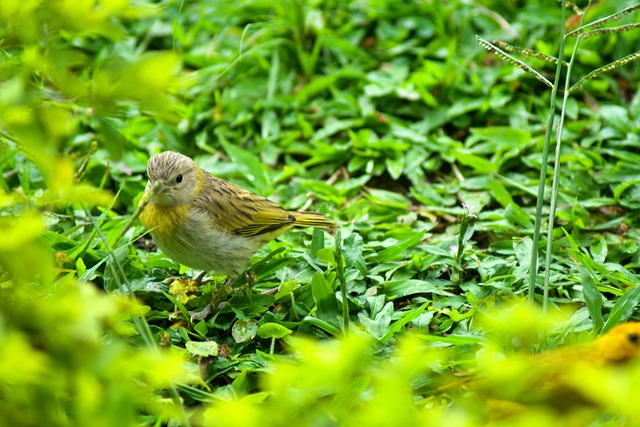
[
  {"x": 355, "y": 381},
  {"x": 70, "y": 353},
  {"x": 386, "y": 115}
]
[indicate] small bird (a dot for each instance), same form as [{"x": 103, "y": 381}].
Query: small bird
[
  {"x": 553, "y": 379},
  {"x": 210, "y": 224},
  {"x": 620, "y": 344}
]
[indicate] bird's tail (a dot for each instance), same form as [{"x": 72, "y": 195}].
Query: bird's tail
[{"x": 314, "y": 219}]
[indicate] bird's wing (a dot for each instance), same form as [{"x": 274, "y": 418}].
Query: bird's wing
[{"x": 239, "y": 211}]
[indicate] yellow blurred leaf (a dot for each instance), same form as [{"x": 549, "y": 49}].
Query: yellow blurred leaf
[
  {"x": 12, "y": 10},
  {"x": 5, "y": 200},
  {"x": 63, "y": 189},
  {"x": 21, "y": 363},
  {"x": 58, "y": 122},
  {"x": 18, "y": 231},
  {"x": 157, "y": 71}
]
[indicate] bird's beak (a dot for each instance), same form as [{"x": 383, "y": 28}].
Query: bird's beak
[
  {"x": 163, "y": 188},
  {"x": 154, "y": 188},
  {"x": 159, "y": 191}
]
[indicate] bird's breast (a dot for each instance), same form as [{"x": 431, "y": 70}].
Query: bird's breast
[{"x": 164, "y": 219}]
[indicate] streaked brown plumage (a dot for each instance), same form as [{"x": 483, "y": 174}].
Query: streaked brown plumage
[{"x": 210, "y": 224}]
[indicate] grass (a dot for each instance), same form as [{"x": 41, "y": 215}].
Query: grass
[{"x": 388, "y": 117}]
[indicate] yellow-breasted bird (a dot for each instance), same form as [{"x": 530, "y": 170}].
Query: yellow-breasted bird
[
  {"x": 562, "y": 379},
  {"x": 210, "y": 224}
]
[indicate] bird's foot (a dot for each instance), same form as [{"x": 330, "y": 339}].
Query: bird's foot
[
  {"x": 202, "y": 314},
  {"x": 208, "y": 309}
]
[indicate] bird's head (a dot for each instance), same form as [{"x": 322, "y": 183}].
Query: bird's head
[
  {"x": 621, "y": 343},
  {"x": 172, "y": 179}
]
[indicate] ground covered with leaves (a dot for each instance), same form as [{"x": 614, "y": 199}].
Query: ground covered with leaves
[{"x": 423, "y": 142}]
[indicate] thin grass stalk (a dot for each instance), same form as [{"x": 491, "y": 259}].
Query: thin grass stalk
[
  {"x": 491, "y": 47},
  {"x": 605, "y": 69},
  {"x": 555, "y": 183},
  {"x": 141, "y": 206},
  {"x": 176, "y": 22},
  {"x": 533, "y": 270},
  {"x": 598, "y": 23},
  {"x": 85, "y": 162},
  {"x": 342, "y": 282},
  {"x": 556, "y": 168},
  {"x": 272, "y": 86}
]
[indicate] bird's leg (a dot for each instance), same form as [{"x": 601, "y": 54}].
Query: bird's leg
[
  {"x": 202, "y": 314},
  {"x": 224, "y": 289},
  {"x": 206, "y": 311},
  {"x": 199, "y": 278}
]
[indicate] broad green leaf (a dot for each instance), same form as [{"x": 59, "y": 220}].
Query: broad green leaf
[
  {"x": 502, "y": 136},
  {"x": 403, "y": 288},
  {"x": 251, "y": 165},
  {"x": 388, "y": 198},
  {"x": 593, "y": 299},
  {"x": 325, "y": 299},
  {"x": 379, "y": 325},
  {"x": 334, "y": 126},
  {"x": 81, "y": 268},
  {"x": 273, "y": 330},
  {"x": 244, "y": 330},
  {"x": 517, "y": 215},
  {"x": 325, "y": 326},
  {"x": 623, "y": 308},
  {"x": 395, "y": 167},
  {"x": 400, "y": 323},
  {"x": 479, "y": 164},
  {"x": 500, "y": 193},
  {"x": 393, "y": 252},
  {"x": 202, "y": 348}
]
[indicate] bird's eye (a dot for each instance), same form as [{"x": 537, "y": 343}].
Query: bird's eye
[
  {"x": 633, "y": 338},
  {"x": 179, "y": 178}
]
